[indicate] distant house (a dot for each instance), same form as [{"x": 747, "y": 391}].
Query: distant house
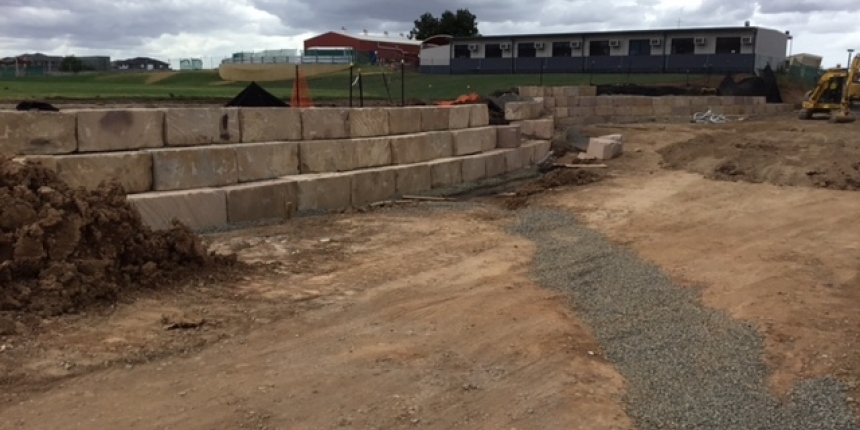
[
  {"x": 140, "y": 63},
  {"x": 37, "y": 60}
]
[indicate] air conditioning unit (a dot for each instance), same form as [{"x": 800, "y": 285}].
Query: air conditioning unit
[
  {"x": 614, "y": 43},
  {"x": 656, "y": 42},
  {"x": 747, "y": 40},
  {"x": 474, "y": 47},
  {"x": 505, "y": 46},
  {"x": 539, "y": 45},
  {"x": 576, "y": 44},
  {"x": 699, "y": 41}
]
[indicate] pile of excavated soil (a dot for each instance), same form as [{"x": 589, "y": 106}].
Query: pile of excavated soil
[
  {"x": 62, "y": 249},
  {"x": 553, "y": 179},
  {"x": 780, "y": 157}
]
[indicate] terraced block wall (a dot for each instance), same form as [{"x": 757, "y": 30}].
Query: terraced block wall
[
  {"x": 581, "y": 105},
  {"x": 210, "y": 167}
]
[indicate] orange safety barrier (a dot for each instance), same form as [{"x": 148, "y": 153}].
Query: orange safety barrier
[
  {"x": 301, "y": 96},
  {"x": 464, "y": 99}
]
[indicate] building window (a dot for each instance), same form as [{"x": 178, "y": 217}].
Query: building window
[
  {"x": 639, "y": 47},
  {"x": 728, "y": 45},
  {"x": 684, "y": 45},
  {"x": 493, "y": 50},
  {"x": 462, "y": 51},
  {"x": 526, "y": 50},
  {"x": 561, "y": 49},
  {"x": 598, "y": 48}
]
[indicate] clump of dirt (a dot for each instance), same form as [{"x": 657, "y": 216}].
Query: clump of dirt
[
  {"x": 553, "y": 179},
  {"x": 62, "y": 249},
  {"x": 793, "y": 157}
]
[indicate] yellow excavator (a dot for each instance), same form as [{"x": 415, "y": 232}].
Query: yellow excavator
[{"x": 835, "y": 93}]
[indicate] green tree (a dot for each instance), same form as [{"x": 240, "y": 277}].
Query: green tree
[
  {"x": 461, "y": 23},
  {"x": 72, "y": 64}
]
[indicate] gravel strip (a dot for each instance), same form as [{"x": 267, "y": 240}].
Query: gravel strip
[{"x": 686, "y": 366}]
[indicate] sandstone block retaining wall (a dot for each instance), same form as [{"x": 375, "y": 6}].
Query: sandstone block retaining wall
[{"x": 214, "y": 166}]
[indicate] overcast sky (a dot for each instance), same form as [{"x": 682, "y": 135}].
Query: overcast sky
[{"x": 213, "y": 29}]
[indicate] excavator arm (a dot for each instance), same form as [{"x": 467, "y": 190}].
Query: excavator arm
[{"x": 852, "y": 81}]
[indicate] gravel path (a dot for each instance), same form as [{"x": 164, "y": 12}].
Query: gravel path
[{"x": 687, "y": 367}]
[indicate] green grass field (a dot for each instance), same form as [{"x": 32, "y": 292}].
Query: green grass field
[{"x": 207, "y": 85}]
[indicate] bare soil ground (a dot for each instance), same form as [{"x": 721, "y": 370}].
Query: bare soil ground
[{"x": 426, "y": 317}]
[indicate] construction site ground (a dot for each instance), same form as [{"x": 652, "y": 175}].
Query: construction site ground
[{"x": 439, "y": 314}]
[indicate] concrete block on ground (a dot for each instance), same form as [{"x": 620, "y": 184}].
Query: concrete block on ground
[
  {"x": 459, "y": 116},
  {"x": 270, "y": 124},
  {"x": 587, "y": 91},
  {"x": 603, "y": 110},
  {"x": 527, "y": 153},
  {"x": 201, "y": 126},
  {"x": 561, "y": 112},
  {"x": 508, "y": 136},
  {"x": 580, "y": 111},
  {"x": 604, "y": 101},
  {"x": 588, "y": 101},
  {"x": 538, "y": 128},
  {"x": 474, "y": 140},
  {"x": 514, "y": 160},
  {"x": 564, "y": 101},
  {"x": 373, "y": 185},
  {"x": 541, "y": 149},
  {"x": 103, "y": 130},
  {"x": 258, "y": 201},
  {"x": 603, "y": 148},
  {"x": 37, "y": 133},
  {"x": 496, "y": 162},
  {"x": 323, "y": 191},
  {"x": 480, "y": 115},
  {"x": 260, "y": 161},
  {"x": 412, "y": 178},
  {"x": 371, "y": 152},
  {"x": 473, "y": 167},
  {"x": 325, "y": 123},
  {"x": 531, "y": 91},
  {"x": 203, "y": 208},
  {"x": 434, "y": 118},
  {"x": 324, "y": 156},
  {"x": 132, "y": 170},
  {"x": 445, "y": 172},
  {"x": 549, "y": 103},
  {"x": 180, "y": 169},
  {"x": 404, "y": 120},
  {"x": 416, "y": 148},
  {"x": 368, "y": 122}
]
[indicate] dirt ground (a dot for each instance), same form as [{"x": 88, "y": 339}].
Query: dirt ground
[{"x": 424, "y": 316}]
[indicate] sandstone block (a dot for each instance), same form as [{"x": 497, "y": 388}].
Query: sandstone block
[
  {"x": 412, "y": 179},
  {"x": 581, "y": 111},
  {"x": 325, "y": 123},
  {"x": 434, "y": 118},
  {"x": 527, "y": 154},
  {"x": 508, "y": 136},
  {"x": 572, "y": 102},
  {"x": 588, "y": 91},
  {"x": 105, "y": 130},
  {"x": 518, "y": 111},
  {"x": 259, "y": 161},
  {"x": 260, "y": 201},
  {"x": 514, "y": 160},
  {"x": 321, "y": 156},
  {"x": 404, "y": 120},
  {"x": 480, "y": 116},
  {"x": 473, "y": 141},
  {"x": 564, "y": 101},
  {"x": 531, "y": 91},
  {"x": 662, "y": 110},
  {"x": 201, "y": 126},
  {"x": 603, "y": 148},
  {"x": 440, "y": 144},
  {"x": 373, "y": 185},
  {"x": 198, "y": 209},
  {"x": 323, "y": 191},
  {"x": 445, "y": 172},
  {"x": 538, "y": 128},
  {"x": 604, "y": 101},
  {"x": 473, "y": 167},
  {"x": 421, "y": 147},
  {"x": 549, "y": 103},
  {"x": 270, "y": 124},
  {"x": 371, "y": 152},
  {"x": 541, "y": 149},
  {"x": 37, "y": 133},
  {"x": 561, "y": 112},
  {"x": 368, "y": 122},
  {"x": 496, "y": 163},
  {"x": 588, "y": 101},
  {"x": 179, "y": 169},
  {"x": 132, "y": 170},
  {"x": 459, "y": 116}
]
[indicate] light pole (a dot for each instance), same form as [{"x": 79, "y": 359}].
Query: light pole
[
  {"x": 848, "y": 64},
  {"x": 790, "y": 41}
]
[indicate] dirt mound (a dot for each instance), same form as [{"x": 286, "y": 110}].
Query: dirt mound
[
  {"x": 779, "y": 157},
  {"x": 553, "y": 179},
  {"x": 62, "y": 249}
]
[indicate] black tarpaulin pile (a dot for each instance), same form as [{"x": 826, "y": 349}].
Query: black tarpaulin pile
[{"x": 255, "y": 96}]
